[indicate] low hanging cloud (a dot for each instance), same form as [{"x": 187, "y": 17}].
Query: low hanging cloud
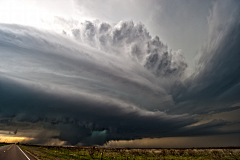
[
  {"x": 75, "y": 87},
  {"x": 96, "y": 82}
]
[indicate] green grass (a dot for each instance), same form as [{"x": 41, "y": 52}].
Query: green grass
[
  {"x": 3, "y": 144},
  {"x": 66, "y": 153}
]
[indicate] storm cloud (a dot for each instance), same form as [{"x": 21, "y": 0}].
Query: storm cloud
[
  {"x": 132, "y": 41},
  {"x": 95, "y": 82},
  {"x": 214, "y": 85}
]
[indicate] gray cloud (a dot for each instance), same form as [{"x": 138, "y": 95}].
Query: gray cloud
[
  {"x": 132, "y": 41},
  {"x": 215, "y": 84},
  {"x": 75, "y": 87},
  {"x": 181, "y": 24},
  {"x": 99, "y": 82},
  {"x": 80, "y": 118}
]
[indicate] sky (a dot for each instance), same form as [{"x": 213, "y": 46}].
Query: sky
[{"x": 132, "y": 73}]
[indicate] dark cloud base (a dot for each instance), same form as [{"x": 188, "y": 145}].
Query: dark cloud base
[{"x": 89, "y": 123}]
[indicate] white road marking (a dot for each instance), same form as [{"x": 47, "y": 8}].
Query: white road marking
[{"x": 24, "y": 153}]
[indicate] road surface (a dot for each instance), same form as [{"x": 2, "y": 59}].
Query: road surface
[{"x": 13, "y": 152}]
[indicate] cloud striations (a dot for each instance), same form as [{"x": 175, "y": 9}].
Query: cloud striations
[{"x": 96, "y": 82}]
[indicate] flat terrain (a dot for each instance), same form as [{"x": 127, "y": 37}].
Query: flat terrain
[
  {"x": 13, "y": 152},
  {"x": 64, "y": 153},
  {"x": 3, "y": 144}
]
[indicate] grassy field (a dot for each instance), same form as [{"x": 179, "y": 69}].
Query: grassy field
[
  {"x": 3, "y": 144},
  {"x": 62, "y": 153}
]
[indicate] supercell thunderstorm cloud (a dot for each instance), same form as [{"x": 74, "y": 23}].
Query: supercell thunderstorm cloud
[{"x": 92, "y": 82}]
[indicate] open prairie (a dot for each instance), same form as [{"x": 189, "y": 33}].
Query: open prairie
[{"x": 61, "y": 153}]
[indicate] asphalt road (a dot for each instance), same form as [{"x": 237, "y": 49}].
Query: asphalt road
[{"x": 13, "y": 152}]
